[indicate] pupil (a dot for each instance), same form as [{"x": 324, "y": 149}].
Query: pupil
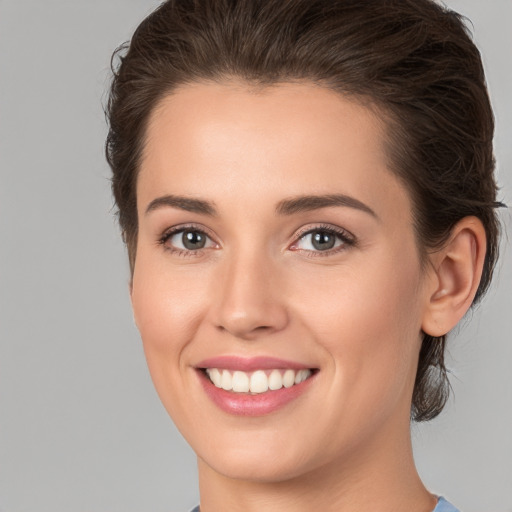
[
  {"x": 193, "y": 240},
  {"x": 323, "y": 240}
]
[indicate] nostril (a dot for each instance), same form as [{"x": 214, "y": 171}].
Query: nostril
[{"x": 246, "y": 332}]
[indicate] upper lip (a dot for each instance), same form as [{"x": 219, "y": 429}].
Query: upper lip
[{"x": 248, "y": 364}]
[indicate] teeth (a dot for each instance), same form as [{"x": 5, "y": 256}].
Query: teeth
[
  {"x": 259, "y": 382},
  {"x": 226, "y": 381},
  {"x": 275, "y": 380},
  {"x": 215, "y": 377},
  {"x": 256, "y": 382},
  {"x": 240, "y": 382},
  {"x": 302, "y": 375},
  {"x": 288, "y": 378}
]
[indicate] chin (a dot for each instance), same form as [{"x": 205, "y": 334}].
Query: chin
[
  {"x": 253, "y": 456},
  {"x": 273, "y": 469}
]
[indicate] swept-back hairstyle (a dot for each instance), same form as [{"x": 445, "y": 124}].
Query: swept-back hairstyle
[{"x": 412, "y": 60}]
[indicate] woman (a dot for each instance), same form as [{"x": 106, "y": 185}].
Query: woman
[{"x": 306, "y": 192}]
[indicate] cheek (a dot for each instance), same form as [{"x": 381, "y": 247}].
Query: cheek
[
  {"x": 368, "y": 319},
  {"x": 376, "y": 295},
  {"x": 168, "y": 309}
]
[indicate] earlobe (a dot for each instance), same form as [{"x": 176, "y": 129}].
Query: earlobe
[{"x": 457, "y": 269}]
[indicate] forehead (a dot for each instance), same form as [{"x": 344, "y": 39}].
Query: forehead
[{"x": 231, "y": 140}]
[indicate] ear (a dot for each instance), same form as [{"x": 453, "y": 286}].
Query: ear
[{"x": 456, "y": 271}]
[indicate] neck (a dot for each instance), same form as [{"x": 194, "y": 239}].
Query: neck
[{"x": 380, "y": 477}]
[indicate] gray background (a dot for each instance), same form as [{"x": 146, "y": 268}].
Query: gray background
[{"x": 81, "y": 428}]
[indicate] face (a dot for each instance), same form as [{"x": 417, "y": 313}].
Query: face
[{"x": 277, "y": 285}]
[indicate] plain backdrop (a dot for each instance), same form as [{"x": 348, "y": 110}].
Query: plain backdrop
[{"x": 81, "y": 428}]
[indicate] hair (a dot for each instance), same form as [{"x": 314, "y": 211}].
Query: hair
[{"x": 414, "y": 60}]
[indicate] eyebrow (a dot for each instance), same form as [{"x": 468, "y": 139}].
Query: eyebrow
[
  {"x": 188, "y": 204},
  {"x": 308, "y": 203},
  {"x": 290, "y": 206}
]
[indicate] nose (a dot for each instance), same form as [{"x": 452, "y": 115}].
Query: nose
[{"x": 250, "y": 298}]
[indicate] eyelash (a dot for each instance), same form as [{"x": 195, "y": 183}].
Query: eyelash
[
  {"x": 166, "y": 235},
  {"x": 347, "y": 239}
]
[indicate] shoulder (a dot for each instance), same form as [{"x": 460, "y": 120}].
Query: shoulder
[{"x": 442, "y": 506}]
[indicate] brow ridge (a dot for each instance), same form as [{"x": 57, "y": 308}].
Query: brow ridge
[
  {"x": 307, "y": 203},
  {"x": 289, "y": 206},
  {"x": 188, "y": 204}
]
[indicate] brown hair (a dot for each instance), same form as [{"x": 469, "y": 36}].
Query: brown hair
[{"x": 413, "y": 59}]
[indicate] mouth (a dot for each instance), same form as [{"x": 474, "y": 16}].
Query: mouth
[
  {"x": 256, "y": 386},
  {"x": 256, "y": 382}
]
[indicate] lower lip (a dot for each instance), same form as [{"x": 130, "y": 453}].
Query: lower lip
[{"x": 242, "y": 404}]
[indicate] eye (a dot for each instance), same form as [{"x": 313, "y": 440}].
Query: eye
[
  {"x": 323, "y": 239},
  {"x": 186, "y": 240}
]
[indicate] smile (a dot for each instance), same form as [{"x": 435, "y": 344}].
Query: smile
[
  {"x": 256, "y": 382},
  {"x": 254, "y": 386}
]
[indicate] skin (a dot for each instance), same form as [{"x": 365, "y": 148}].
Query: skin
[{"x": 259, "y": 288}]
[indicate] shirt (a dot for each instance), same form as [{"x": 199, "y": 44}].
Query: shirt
[{"x": 442, "y": 506}]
